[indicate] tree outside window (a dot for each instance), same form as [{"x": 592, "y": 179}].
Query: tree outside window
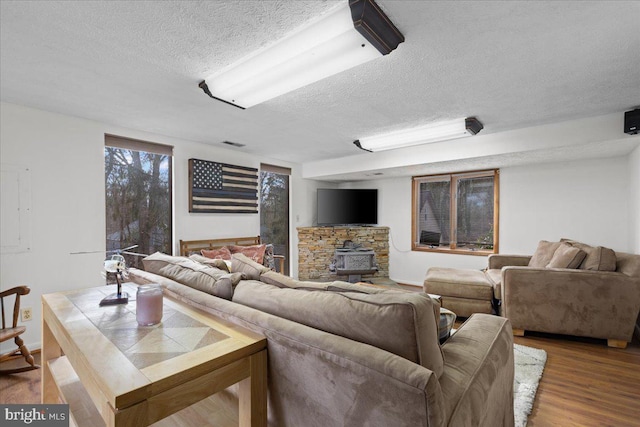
[
  {"x": 274, "y": 209},
  {"x": 456, "y": 212},
  {"x": 138, "y": 201}
]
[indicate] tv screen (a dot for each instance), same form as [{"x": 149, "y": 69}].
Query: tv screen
[{"x": 347, "y": 206}]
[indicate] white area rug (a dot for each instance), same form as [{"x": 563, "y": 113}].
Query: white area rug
[{"x": 529, "y": 364}]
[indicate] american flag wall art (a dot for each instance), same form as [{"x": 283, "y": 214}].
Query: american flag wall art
[{"x": 222, "y": 188}]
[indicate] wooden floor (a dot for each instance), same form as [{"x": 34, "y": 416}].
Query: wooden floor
[{"x": 585, "y": 383}]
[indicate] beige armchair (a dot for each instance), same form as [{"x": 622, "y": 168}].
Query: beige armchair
[{"x": 590, "y": 303}]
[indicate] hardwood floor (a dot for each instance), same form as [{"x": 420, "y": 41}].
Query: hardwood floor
[{"x": 585, "y": 383}]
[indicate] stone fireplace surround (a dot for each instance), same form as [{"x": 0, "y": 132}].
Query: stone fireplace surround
[{"x": 317, "y": 245}]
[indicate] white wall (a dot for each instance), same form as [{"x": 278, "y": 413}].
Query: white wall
[
  {"x": 634, "y": 201},
  {"x": 583, "y": 200},
  {"x": 65, "y": 156}
]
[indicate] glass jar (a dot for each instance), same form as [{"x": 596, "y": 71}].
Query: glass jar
[{"x": 149, "y": 304}]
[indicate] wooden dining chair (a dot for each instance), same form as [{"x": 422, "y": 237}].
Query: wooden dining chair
[{"x": 14, "y": 331}]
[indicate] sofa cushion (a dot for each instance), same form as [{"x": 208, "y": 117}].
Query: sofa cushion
[
  {"x": 495, "y": 277},
  {"x": 543, "y": 254},
  {"x": 400, "y": 322},
  {"x": 567, "y": 256},
  {"x": 217, "y": 263},
  {"x": 242, "y": 264},
  {"x": 255, "y": 252},
  {"x": 598, "y": 258},
  {"x": 459, "y": 283},
  {"x": 154, "y": 262},
  {"x": 203, "y": 278},
  {"x": 282, "y": 281},
  {"x": 219, "y": 253}
]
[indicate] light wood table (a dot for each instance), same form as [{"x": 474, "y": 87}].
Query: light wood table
[{"x": 113, "y": 372}]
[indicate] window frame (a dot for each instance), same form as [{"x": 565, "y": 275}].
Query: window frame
[
  {"x": 125, "y": 143},
  {"x": 454, "y": 177}
]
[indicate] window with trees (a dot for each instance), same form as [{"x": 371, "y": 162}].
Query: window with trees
[
  {"x": 274, "y": 209},
  {"x": 456, "y": 213},
  {"x": 138, "y": 196}
]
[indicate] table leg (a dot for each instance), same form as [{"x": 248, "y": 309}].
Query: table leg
[
  {"x": 50, "y": 350},
  {"x": 253, "y": 393}
]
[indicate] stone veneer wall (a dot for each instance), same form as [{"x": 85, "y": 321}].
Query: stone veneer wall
[{"x": 316, "y": 247}]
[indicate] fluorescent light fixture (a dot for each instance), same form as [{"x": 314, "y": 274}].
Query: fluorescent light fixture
[
  {"x": 434, "y": 132},
  {"x": 323, "y": 47}
]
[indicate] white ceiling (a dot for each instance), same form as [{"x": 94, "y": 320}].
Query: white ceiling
[{"x": 137, "y": 65}]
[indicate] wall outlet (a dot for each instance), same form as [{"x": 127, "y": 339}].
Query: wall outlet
[{"x": 26, "y": 314}]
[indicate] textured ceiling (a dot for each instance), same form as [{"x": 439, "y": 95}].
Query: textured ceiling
[{"x": 137, "y": 65}]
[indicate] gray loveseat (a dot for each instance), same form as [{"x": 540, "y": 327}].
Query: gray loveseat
[{"x": 341, "y": 354}]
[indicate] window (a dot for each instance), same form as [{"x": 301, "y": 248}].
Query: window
[
  {"x": 138, "y": 196},
  {"x": 456, "y": 213},
  {"x": 274, "y": 210}
]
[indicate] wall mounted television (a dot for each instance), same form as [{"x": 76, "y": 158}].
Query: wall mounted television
[{"x": 339, "y": 206}]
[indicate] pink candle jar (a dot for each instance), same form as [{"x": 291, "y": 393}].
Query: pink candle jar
[{"x": 149, "y": 305}]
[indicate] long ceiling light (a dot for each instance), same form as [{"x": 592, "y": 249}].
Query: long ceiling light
[
  {"x": 434, "y": 132},
  {"x": 351, "y": 34}
]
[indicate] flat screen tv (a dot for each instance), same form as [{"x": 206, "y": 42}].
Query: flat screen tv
[{"x": 347, "y": 206}]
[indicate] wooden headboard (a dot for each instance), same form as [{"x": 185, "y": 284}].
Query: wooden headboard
[{"x": 189, "y": 246}]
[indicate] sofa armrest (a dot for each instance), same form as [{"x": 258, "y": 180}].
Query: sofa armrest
[
  {"x": 497, "y": 261},
  {"x": 598, "y": 304},
  {"x": 479, "y": 362}
]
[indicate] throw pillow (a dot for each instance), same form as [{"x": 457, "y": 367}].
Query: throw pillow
[
  {"x": 217, "y": 263},
  {"x": 221, "y": 253},
  {"x": 206, "y": 279},
  {"x": 242, "y": 264},
  {"x": 269, "y": 259},
  {"x": 255, "y": 252},
  {"x": 567, "y": 256},
  {"x": 598, "y": 258},
  {"x": 543, "y": 254},
  {"x": 154, "y": 262}
]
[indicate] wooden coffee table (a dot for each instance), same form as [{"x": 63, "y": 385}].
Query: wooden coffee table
[{"x": 113, "y": 372}]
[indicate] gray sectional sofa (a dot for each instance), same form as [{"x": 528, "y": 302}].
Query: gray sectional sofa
[{"x": 341, "y": 354}]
